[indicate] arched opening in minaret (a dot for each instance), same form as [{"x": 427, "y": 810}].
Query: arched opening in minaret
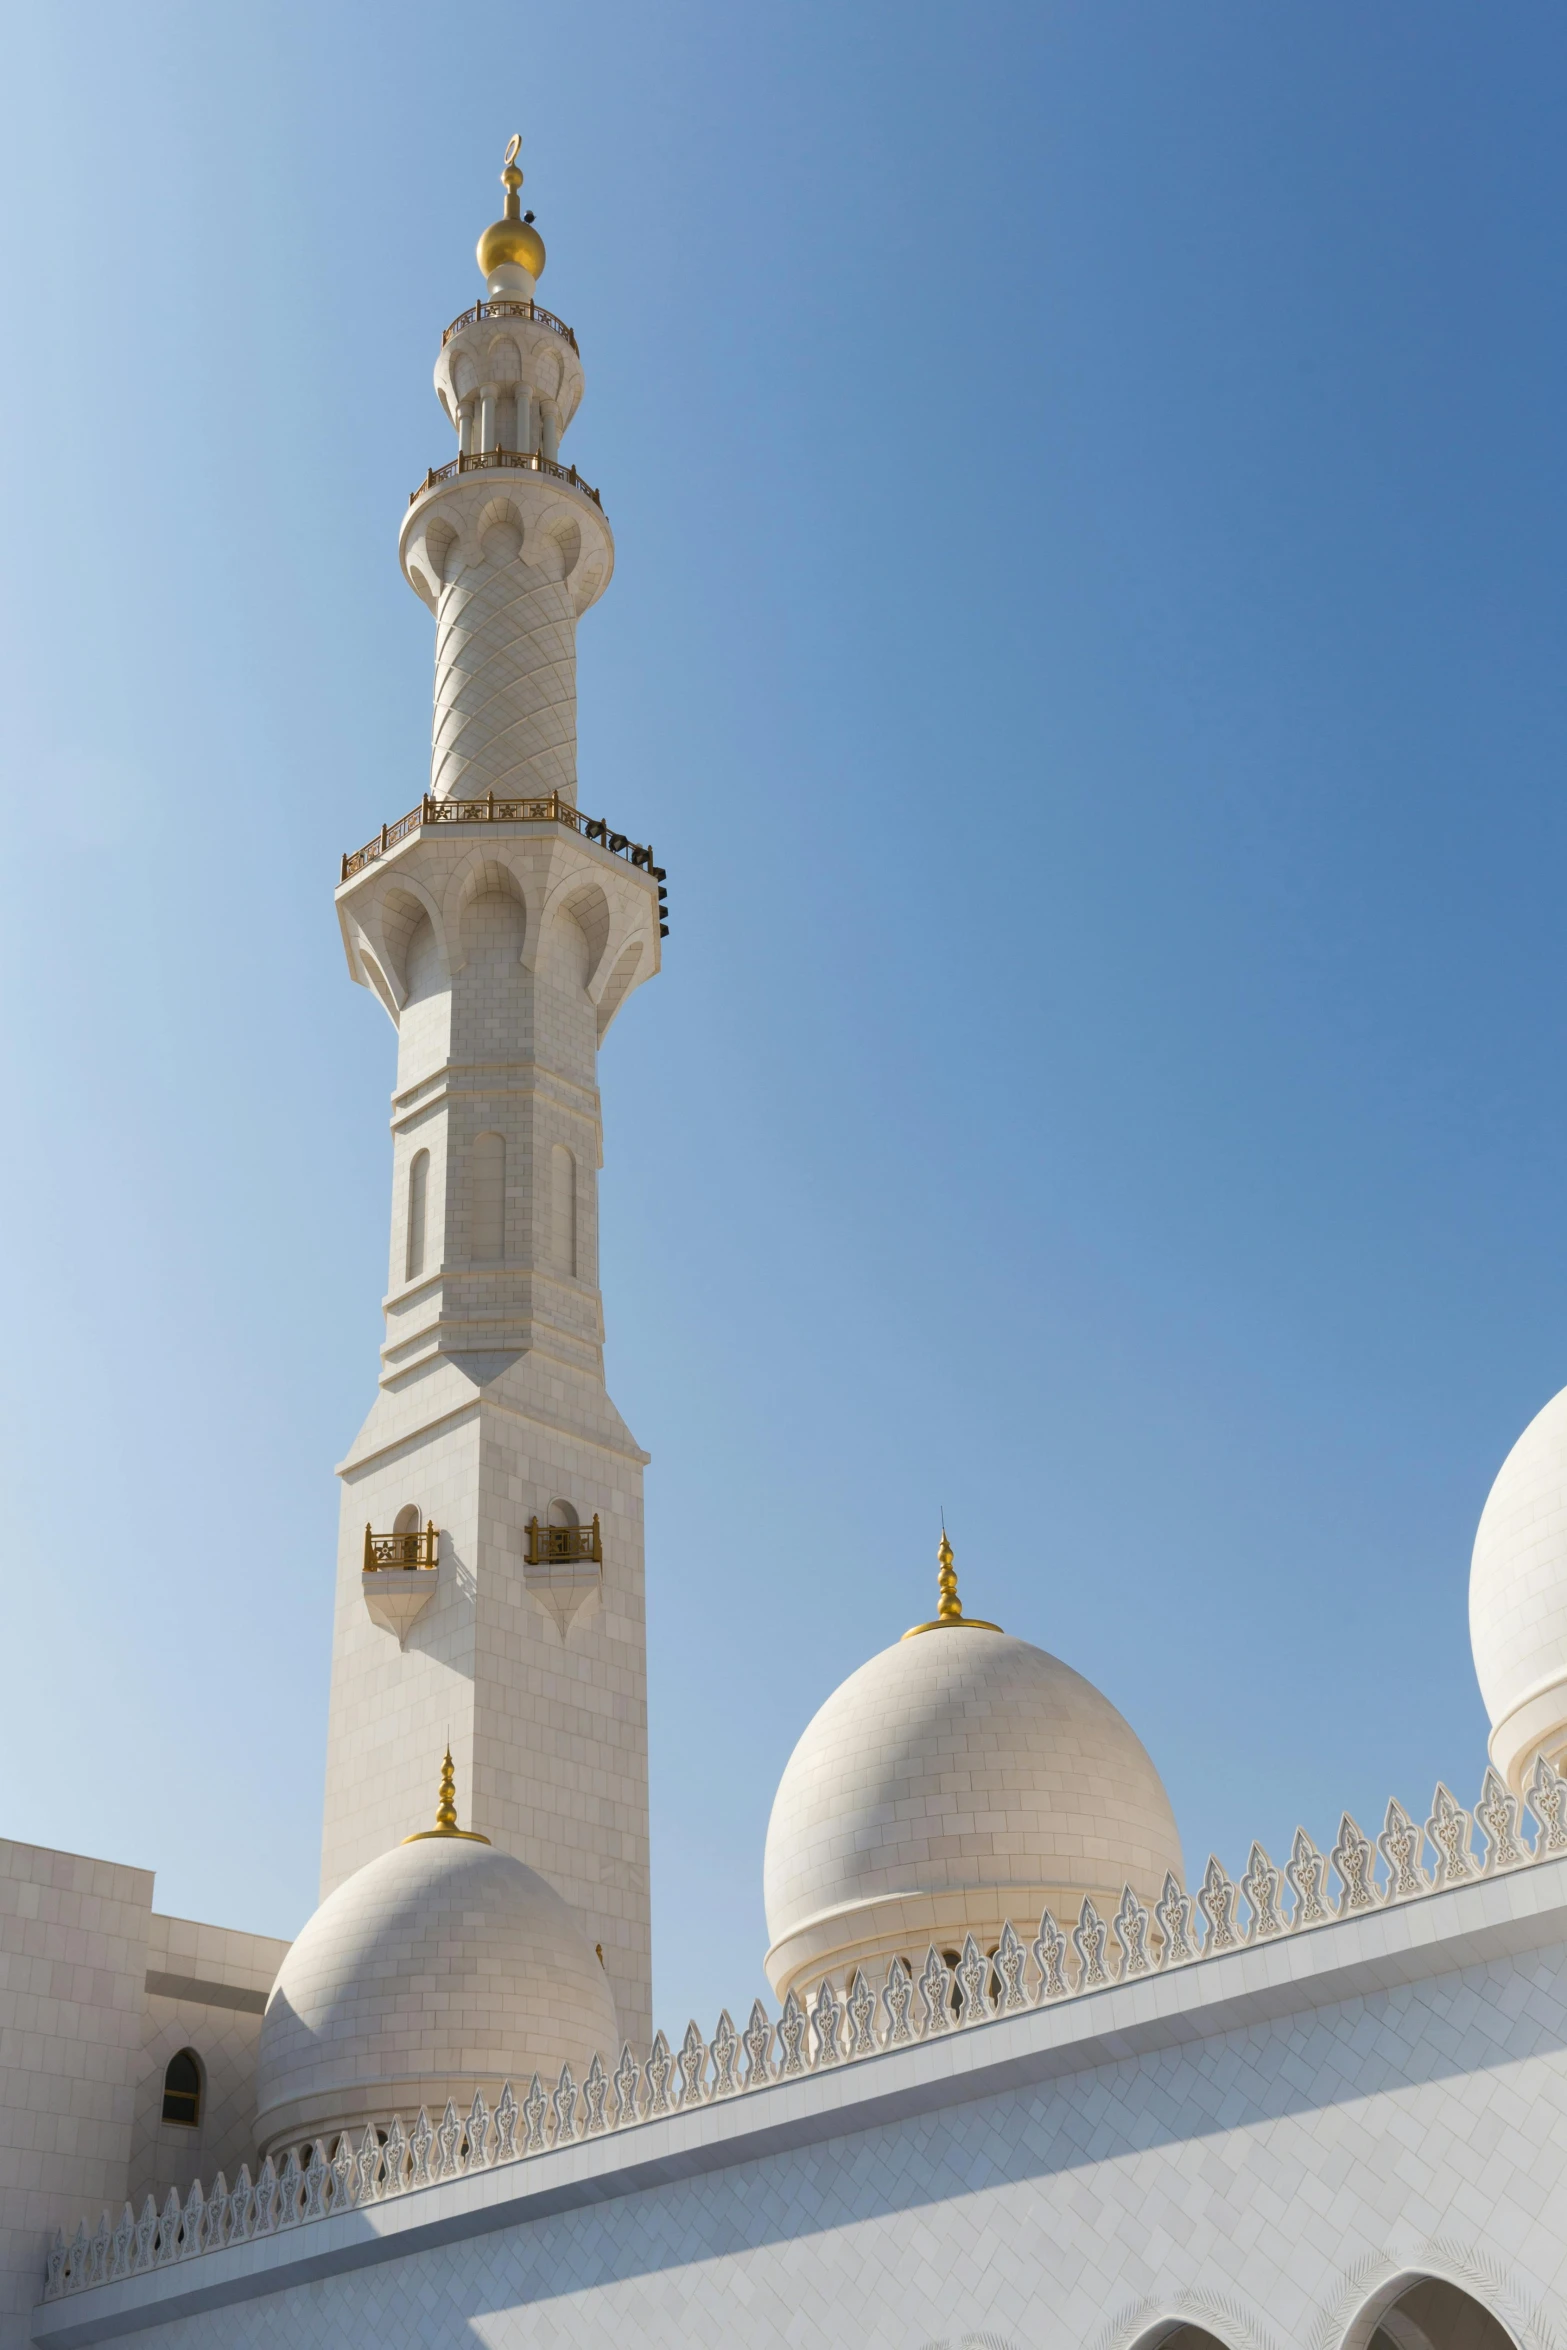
[
  {"x": 418, "y": 1188},
  {"x": 407, "y": 1519},
  {"x": 487, "y": 1206},
  {"x": 564, "y": 1513},
  {"x": 563, "y": 1210},
  {"x": 1434, "y": 2315}
]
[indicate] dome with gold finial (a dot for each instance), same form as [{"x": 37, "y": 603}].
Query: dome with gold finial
[
  {"x": 440, "y": 1968},
  {"x": 511, "y": 243},
  {"x": 949, "y": 1785}
]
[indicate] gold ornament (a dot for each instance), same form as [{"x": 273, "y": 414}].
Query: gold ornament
[
  {"x": 446, "y": 1812},
  {"x": 949, "y": 1616}
]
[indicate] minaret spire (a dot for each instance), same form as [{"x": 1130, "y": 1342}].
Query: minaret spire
[
  {"x": 502, "y": 930},
  {"x": 511, "y": 252}
]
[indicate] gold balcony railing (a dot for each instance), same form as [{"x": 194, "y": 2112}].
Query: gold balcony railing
[
  {"x": 402, "y": 1550},
  {"x": 546, "y": 1544},
  {"x": 534, "y": 310},
  {"x": 513, "y": 460},
  {"x": 490, "y": 810}
]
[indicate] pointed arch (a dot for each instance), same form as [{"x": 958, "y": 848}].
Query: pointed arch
[
  {"x": 619, "y": 985},
  {"x": 1444, "y": 2304},
  {"x": 497, "y": 865}
]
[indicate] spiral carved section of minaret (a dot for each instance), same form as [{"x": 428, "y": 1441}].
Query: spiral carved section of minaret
[{"x": 508, "y": 548}]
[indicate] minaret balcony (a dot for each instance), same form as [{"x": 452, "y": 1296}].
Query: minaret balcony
[
  {"x": 400, "y": 1577},
  {"x": 425, "y": 866},
  {"x": 521, "y": 309},
  {"x": 548, "y": 1545},
  {"x": 563, "y": 1567},
  {"x": 492, "y": 810},
  {"x": 506, "y": 460},
  {"x": 401, "y": 1551}
]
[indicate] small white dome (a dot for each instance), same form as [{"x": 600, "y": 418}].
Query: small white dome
[
  {"x": 1518, "y": 1598},
  {"x": 440, "y": 1968},
  {"x": 953, "y": 1782}
]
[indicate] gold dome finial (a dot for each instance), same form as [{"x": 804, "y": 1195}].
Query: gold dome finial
[
  {"x": 950, "y": 1610},
  {"x": 949, "y": 1616},
  {"x": 446, "y": 1809},
  {"x": 446, "y": 1812},
  {"x": 511, "y": 241}
]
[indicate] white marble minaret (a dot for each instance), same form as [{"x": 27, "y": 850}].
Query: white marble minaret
[{"x": 502, "y": 931}]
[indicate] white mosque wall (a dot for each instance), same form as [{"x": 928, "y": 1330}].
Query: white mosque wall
[
  {"x": 1267, "y": 2144},
  {"x": 97, "y": 1991},
  {"x": 853, "y": 2023},
  {"x": 206, "y": 1991},
  {"x": 73, "y": 1960}
]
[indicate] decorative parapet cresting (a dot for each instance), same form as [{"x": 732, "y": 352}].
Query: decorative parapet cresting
[{"x": 841, "y": 2024}]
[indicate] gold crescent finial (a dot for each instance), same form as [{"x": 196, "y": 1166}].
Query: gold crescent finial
[
  {"x": 511, "y": 241},
  {"x": 446, "y": 1811},
  {"x": 949, "y": 1616}
]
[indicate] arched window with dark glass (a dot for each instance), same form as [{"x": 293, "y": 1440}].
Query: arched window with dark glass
[{"x": 182, "y": 2089}]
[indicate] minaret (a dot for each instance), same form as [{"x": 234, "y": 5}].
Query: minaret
[{"x": 490, "y": 1562}]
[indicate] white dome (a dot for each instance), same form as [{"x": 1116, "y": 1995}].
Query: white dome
[
  {"x": 1518, "y": 1598},
  {"x": 953, "y": 1782},
  {"x": 441, "y": 1968}
]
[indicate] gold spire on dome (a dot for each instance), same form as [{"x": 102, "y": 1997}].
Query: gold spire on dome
[
  {"x": 949, "y": 1616},
  {"x": 511, "y": 239},
  {"x": 446, "y": 1812}
]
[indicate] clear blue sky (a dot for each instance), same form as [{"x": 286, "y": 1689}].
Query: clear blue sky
[{"x": 1087, "y": 645}]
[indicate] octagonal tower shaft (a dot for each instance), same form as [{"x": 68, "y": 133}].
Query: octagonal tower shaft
[{"x": 502, "y": 939}]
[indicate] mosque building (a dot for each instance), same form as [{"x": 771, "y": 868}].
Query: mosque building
[{"x": 1031, "y": 2082}]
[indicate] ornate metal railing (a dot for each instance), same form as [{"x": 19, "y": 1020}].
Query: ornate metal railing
[
  {"x": 534, "y": 310},
  {"x": 510, "y": 460},
  {"x": 845, "y": 2023},
  {"x": 402, "y": 1550},
  {"x": 548, "y": 1543},
  {"x": 490, "y": 810}
]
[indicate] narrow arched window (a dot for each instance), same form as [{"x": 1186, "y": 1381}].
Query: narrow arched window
[
  {"x": 182, "y": 2089},
  {"x": 488, "y": 1204},
  {"x": 418, "y": 1189},
  {"x": 563, "y": 1209}
]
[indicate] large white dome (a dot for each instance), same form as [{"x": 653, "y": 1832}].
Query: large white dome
[
  {"x": 1518, "y": 1598},
  {"x": 953, "y": 1782},
  {"x": 440, "y": 1968}
]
